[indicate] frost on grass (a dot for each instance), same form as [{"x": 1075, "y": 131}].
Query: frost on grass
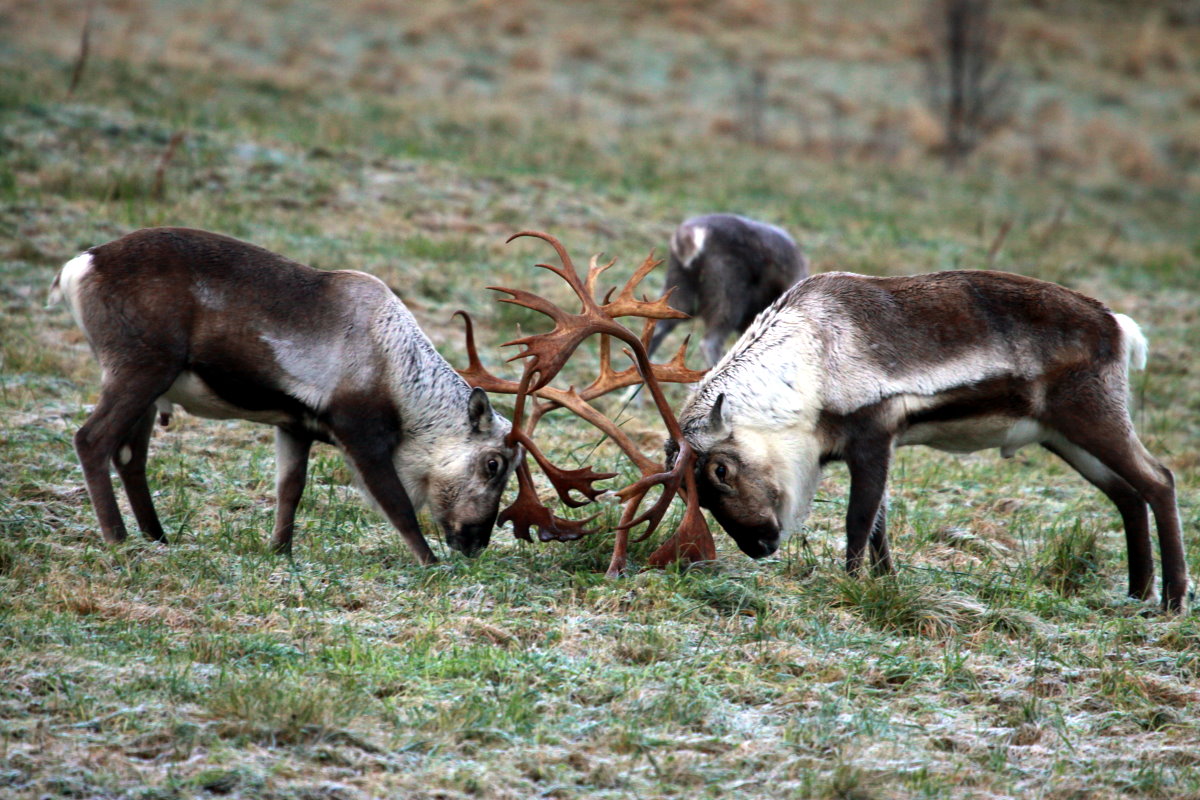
[{"x": 1002, "y": 660}]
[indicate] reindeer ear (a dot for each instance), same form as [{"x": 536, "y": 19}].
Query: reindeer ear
[
  {"x": 718, "y": 421},
  {"x": 479, "y": 410}
]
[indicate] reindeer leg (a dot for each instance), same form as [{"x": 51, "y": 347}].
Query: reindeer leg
[
  {"x": 1122, "y": 452},
  {"x": 291, "y": 472},
  {"x": 620, "y": 556},
  {"x": 713, "y": 343},
  {"x": 1133, "y": 509},
  {"x": 868, "y": 459},
  {"x": 371, "y": 454},
  {"x": 881, "y": 554},
  {"x": 683, "y": 298},
  {"x": 664, "y": 327},
  {"x": 130, "y": 462},
  {"x": 125, "y": 400}
]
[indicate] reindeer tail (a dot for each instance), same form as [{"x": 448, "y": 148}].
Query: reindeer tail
[
  {"x": 1136, "y": 346},
  {"x": 55, "y": 296}
]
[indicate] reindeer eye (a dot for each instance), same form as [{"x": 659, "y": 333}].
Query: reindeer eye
[
  {"x": 493, "y": 467},
  {"x": 720, "y": 472}
]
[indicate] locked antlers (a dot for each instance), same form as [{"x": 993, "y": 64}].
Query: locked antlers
[{"x": 545, "y": 355}]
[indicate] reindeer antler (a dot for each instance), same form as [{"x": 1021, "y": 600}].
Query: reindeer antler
[{"x": 545, "y": 355}]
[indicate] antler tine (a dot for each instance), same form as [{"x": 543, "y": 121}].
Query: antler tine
[
  {"x": 573, "y": 401},
  {"x": 609, "y": 379},
  {"x": 566, "y": 481},
  {"x": 476, "y": 374},
  {"x": 647, "y": 266},
  {"x": 527, "y": 511},
  {"x": 545, "y": 355},
  {"x": 673, "y": 371},
  {"x": 529, "y": 300},
  {"x": 677, "y": 367},
  {"x": 626, "y": 305},
  {"x": 595, "y": 270},
  {"x": 567, "y": 271},
  {"x": 670, "y": 480},
  {"x": 648, "y": 326},
  {"x": 692, "y": 540}
]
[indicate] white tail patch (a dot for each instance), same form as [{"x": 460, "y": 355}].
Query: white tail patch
[
  {"x": 54, "y": 296},
  {"x": 67, "y": 281},
  {"x": 66, "y": 284},
  {"x": 690, "y": 245},
  {"x": 1136, "y": 346}
]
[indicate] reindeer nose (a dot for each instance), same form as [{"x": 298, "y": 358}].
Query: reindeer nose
[
  {"x": 756, "y": 541},
  {"x": 470, "y": 538},
  {"x": 766, "y": 547}
]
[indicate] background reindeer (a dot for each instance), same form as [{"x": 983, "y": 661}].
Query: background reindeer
[
  {"x": 229, "y": 330},
  {"x": 725, "y": 269},
  {"x": 847, "y": 367}
]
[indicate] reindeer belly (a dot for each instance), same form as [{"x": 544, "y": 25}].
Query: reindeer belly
[
  {"x": 198, "y": 398},
  {"x": 968, "y": 434}
]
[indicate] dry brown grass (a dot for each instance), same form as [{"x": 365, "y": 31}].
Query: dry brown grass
[
  {"x": 1103, "y": 140},
  {"x": 1153, "y": 48},
  {"x": 714, "y": 35}
]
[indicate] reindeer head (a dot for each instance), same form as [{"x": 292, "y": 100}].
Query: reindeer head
[
  {"x": 465, "y": 476},
  {"x": 752, "y": 481}
]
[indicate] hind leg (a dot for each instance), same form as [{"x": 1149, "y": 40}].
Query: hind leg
[
  {"x": 1133, "y": 509},
  {"x": 125, "y": 402},
  {"x": 130, "y": 462},
  {"x": 1123, "y": 453},
  {"x": 713, "y": 343},
  {"x": 291, "y": 471}
]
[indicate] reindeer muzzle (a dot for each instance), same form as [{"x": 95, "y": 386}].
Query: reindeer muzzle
[
  {"x": 757, "y": 540},
  {"x": 470, "y": 538}
]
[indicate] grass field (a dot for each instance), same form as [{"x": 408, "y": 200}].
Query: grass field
[{"x": 410, "y": 140}]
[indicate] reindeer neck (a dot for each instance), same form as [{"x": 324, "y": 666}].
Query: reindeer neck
[
  {"x": 772, "y": 378},
  {"x": 429, "y": 394}
]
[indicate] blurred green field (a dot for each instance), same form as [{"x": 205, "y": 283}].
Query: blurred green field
[{"x": 409, "y": 140}]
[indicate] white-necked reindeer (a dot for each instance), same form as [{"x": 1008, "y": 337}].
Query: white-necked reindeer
[
  {"x": 229, "y": 330},
  {"x": 847, "y": 367},
  {"x": 725, "y": 269}
]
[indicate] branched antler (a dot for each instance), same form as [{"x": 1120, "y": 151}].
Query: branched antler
[{"x": 545, "y": 355}]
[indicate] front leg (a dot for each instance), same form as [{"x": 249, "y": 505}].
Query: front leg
[
  {"x": 866, "y": 517},
  {"x": 881, "y": 554},
  {"x": 379, "y": 476},
  {"x": 369, "y": 448}
]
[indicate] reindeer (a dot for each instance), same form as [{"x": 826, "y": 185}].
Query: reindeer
[
  {"x": 846, "y": 367},
  {"x": 229, "y": 330},
  {"x": 726, "y": 269}
]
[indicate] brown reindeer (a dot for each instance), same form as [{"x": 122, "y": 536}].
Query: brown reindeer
[
  {"x": 229, "y": 330},
  {"x": 846, "y": 367}
]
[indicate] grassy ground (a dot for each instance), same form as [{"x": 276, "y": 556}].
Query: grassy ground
[{"x": 409, "y": 140}]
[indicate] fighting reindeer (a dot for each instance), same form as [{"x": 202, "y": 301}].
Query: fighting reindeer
[
  {"x": 229, "y": 330},
  {"x": 725, "y": 269},
  {"x": 545, "y": 355},
  {"x": 846, "y": 367}
]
